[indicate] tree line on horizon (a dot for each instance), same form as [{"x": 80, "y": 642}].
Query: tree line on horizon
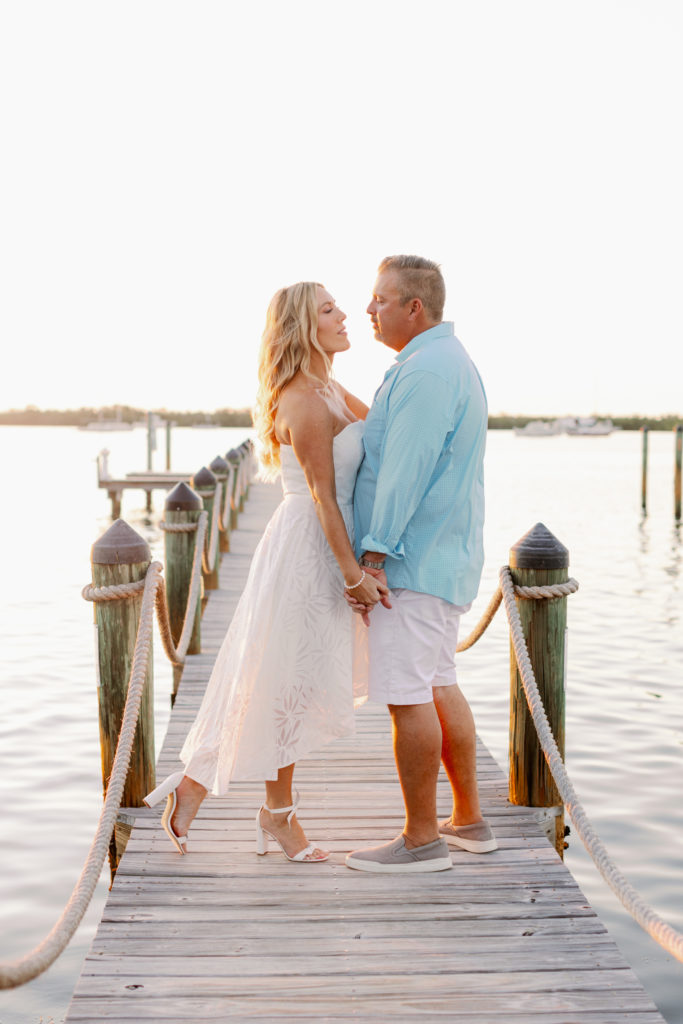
[{"x": 34, "y": 417}]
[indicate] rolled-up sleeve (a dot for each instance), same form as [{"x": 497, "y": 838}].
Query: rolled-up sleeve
[{"x": 419, "y": 418}]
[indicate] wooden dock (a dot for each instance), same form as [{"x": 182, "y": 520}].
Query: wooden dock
[{"x": 225, "y": 935}]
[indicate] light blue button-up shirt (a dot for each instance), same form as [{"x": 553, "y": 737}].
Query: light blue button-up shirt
[{"x": 419, "y": 495}]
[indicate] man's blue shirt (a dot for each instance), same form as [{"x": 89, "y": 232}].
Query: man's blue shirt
[{"x": 419, "y": 495}]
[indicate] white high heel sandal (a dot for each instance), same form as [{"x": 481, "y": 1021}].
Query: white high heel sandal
[
  {"x": 167, "y": 789},
  {"x": 263, "y": 835}
]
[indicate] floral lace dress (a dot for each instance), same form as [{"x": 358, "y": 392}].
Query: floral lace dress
[{"x": 294, "y": 659}]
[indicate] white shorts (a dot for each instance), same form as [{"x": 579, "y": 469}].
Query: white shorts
[{"x": 412, "y": 647}]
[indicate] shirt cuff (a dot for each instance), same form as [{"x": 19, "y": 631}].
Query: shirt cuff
[{"x": 369, "y": 543}]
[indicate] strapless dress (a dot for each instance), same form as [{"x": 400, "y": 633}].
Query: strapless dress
[{"x": 294, "y": 660}]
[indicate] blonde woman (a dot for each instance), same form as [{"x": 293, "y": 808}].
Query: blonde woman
[{"x": 284, "y": 679}]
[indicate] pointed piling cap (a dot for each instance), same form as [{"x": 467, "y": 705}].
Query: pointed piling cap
[
  {"x": 233, "y": 455},
  {"x": 183, "y": 499},
  {"x": 219, "y": 466},
  {"x": 539, "y": 549},
  {"x": 120, "y": 545},
  {"x": 204, "y": 478}
]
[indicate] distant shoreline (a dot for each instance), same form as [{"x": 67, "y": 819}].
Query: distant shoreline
[{"x": 33, "y": 417}]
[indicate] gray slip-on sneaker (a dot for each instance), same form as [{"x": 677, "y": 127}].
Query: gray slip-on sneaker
[
  {"x": 476, "y": 838},
  {"x": 394, "y": 857}
]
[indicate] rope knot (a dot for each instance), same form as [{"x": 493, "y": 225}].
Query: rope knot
[{"x": 178, "y": 527}]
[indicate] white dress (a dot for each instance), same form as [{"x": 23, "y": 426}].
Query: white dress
[{"x": 294, "y": 659}]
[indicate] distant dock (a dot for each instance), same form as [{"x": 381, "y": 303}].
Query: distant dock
[{"x": 222, "y": 934}]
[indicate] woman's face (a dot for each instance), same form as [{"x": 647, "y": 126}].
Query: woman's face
[{"x": 332, "y": 335}]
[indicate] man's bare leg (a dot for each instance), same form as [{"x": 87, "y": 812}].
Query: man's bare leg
[
  {"x": 417, "y": 749},
  {"x": 459, "y": 752}
]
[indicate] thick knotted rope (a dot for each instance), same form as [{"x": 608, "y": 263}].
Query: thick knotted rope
[
  {"x": 210, "y": 550},
  {"x": 177, "y": 654},
  {"x": 115, "y": 592},
  {"x": 151, "y": 589},
  {"x": 545, "y": 593},
  {"x": 38, "y": 960},
  {"x": 647, "y": 918},
  {"x": 224, "y": 524}
]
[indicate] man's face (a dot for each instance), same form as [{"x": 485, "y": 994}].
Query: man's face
[{"x": 390, "y": 320}]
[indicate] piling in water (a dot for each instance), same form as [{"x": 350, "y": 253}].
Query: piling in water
[
  {"x": 122, "y": 556},
  {"x": 539, "y": 559}
]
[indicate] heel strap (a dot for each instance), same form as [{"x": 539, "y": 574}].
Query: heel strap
[{"x": 281, "y": 810}]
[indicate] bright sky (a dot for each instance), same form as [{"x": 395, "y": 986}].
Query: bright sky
[{"x": 167, "y": 166}]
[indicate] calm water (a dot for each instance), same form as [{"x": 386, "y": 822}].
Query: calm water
[{"x": 624, "y": 707}]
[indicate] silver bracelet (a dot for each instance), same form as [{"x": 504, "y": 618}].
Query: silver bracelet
[
  {"x": 355, "y": 585},
  {"x": 368, "y": 564}
]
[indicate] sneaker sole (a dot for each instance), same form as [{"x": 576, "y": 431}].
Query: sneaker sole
[
  {"x": 471, "y": 845},
  {"x": 412, "y": 867}
]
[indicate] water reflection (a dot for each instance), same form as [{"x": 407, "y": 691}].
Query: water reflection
[
  {"x": 674, "y": 568},
  {"x": 643, "y": 535}
]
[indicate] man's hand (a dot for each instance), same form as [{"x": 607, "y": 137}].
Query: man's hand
[
  {"x": 364, "y": 609},
  {"x": 381, "y": 577}
]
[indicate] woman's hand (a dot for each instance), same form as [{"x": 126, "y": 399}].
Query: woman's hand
[{"x": 362, "y": 599}]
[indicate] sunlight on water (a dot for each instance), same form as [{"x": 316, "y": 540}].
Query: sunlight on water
[{"x": 624, "y": 707}]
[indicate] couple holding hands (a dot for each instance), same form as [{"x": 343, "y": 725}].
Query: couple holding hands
[{"x": 325, "y": 620}]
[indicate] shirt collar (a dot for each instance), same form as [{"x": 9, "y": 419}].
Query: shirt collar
[{"x": 442, "y": 330}]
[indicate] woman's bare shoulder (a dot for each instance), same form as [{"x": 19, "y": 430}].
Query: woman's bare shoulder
[{"x": 302, "y": 407}]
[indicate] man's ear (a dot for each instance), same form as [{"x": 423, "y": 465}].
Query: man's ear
[{"x": 415, "y": 309}]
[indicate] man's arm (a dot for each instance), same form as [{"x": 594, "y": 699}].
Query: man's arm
[{"x": 420, "y": 416}]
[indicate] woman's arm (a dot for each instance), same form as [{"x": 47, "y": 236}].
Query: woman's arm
[{"x": 308, "y": 424}]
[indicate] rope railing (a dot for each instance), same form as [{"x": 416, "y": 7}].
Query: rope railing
[
  {"x": 20, "y": 971},
  {"x": 152, "y": 591},
  {"x": 210, "y": 549},
  {"x": 663, "y": 933},
  {"x": 224, "y": 523},
  {"x": 176, "y": 655}
]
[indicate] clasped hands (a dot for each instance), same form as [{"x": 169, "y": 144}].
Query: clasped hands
[{"x": 373, "y": 590}]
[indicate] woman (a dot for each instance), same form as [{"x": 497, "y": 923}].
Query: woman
[{"x": 282, "y": 682}]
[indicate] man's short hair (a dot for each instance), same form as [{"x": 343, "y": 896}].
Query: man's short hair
[{"x": 418, "y": 279}]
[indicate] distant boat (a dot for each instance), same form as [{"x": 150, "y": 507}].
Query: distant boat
[
  {"x": 538, "y": 428},
  {"x": 101, "y": 424},
  {"x": 586, "y": 425},
  {"x": 589, "y": 426}
]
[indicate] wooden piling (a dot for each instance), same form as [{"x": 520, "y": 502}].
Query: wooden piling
[
  {"x": 151, "y": 439},
  {"x": 539, "y": 559},
  {"x": 246, "y": 449},
  {"x": 221, "y": 469},
  {"x": 182, "y": 505},
  {"x": 122, "y": 556},
  {"x": 241, "y": 451},
  {"x": 677, "y": 471},
  {"x": 643, "y": 490},
  {"x": 205, "y": 484},
  {"x": 115, "y": 498},
  {"x": 233, "y": 456}
]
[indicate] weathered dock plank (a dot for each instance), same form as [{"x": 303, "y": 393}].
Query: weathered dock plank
[{"x": 225, "y": 935}]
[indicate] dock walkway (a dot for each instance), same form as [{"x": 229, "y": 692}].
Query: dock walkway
[{"x": 225, "y": 935}]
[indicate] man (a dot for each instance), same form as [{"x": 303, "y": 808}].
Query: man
[{"x": 419, "y": 510}]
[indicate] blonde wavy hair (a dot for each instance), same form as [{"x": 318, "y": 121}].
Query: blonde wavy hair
[{"x": 287, "y": 343}]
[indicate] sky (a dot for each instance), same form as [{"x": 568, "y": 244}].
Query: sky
[{"x": 167, "y": 166}]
